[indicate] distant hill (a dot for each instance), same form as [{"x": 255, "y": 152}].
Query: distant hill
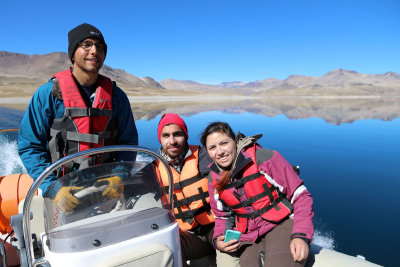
[
  {"x": 44, "y": 66},
  {"x": 186, "y": 85},
  {"x": 336, "y": 82},
  {"x": 21, "y": 74}
]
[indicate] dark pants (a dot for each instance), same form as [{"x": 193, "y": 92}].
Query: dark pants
[
  {"x": 275, "y": 246},
  {"x": 198, "y": 243}
]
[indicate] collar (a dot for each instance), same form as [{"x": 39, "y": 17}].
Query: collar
[{"x": 179, "y": 161}]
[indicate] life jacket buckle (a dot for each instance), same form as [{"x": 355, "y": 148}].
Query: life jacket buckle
[
  {"x": 188, "y": 214},
  {"x": 89, "y": 112},
  {"x": 246, "y": 203},
  {"x": 238, "y": 183},
  {"x": 182, "y": 202},
  {"x": 177, "y": 186}
]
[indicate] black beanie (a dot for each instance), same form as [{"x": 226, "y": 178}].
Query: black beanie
[{"x": 80, "y": 33}]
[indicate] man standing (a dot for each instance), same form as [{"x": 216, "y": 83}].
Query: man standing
[
  {"x": 189, "y": 166},
  {"x": 76, "y": 110}
]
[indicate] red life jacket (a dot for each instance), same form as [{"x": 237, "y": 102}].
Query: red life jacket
[
  {"x": 82, "y": 127},
  {"x": 191, "y": 199},
  {"x": 266, "y": 200}
]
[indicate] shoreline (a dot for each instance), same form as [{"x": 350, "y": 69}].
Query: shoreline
[{"x": 162, "y": 98}]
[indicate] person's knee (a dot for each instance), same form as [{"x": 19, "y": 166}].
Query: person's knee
[{"x": 227, "y": 259}]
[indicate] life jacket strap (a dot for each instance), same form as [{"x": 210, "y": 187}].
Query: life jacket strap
[
  {"x": 186, "y": 201},
  {"x": 87, "y": 112},
  {"x": 250, "y": 201},
  {"x": 182, "y": 215},
  {"x": 190, "y": 214},
  {"x": 56, "y": 151},
  {"x": 240, "y": 182},
  {"x": 86, "y": 162},
  {"x": 82, "y": 137},
  {"x": 204, "y": 196},
  {"x": 260, "y": 212},
  {"x": 186, "y": 182}
]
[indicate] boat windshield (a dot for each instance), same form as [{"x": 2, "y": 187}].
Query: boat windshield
[{"x": 109, "y": 192}]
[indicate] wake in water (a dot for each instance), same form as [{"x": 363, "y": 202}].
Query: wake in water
[
  {"x": 10, "y": 161},
  {"x": 324, "y": 239}
]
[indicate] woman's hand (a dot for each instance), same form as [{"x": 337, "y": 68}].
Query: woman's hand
[
  {"x": 299, "y": 249},
  {"x": 228, "y": 247}
]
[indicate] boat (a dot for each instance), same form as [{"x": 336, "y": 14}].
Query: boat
[{"x": 137, "y": 228}]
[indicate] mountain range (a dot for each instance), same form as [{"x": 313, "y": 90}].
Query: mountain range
[
  {"x": 336, "y": 82},
  {"x": 27, "y": 72}
]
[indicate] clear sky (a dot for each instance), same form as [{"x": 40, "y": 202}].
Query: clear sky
[{"x": 212, "y": 41}]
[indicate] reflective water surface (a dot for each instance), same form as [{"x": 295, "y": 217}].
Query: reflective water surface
[
  {"x": 350, "y": 169},
  {"x": 349, "y": 155}
]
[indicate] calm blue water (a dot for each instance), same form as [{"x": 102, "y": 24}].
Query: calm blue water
[{"x": 350, "y": 169}]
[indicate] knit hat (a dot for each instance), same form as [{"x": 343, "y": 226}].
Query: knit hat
[
  {"x": 80, "y": 33},
  {"x": 169, "y": 118}
]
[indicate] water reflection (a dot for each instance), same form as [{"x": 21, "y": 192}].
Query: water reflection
[
  {"x": 341, "y": 166},
  {"x": 332, "y": 110}
]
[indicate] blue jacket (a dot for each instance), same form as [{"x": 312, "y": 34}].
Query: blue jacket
[{"x": 34, "y": 131}]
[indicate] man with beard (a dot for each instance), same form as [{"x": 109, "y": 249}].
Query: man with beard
[{"x": 189, "y": 166}]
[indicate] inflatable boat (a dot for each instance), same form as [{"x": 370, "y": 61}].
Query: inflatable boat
[{"x": 137, "y": 228}]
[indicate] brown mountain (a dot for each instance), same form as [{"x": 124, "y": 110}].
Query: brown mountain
[
  {"x": 338, "y": 82},
  {"x": 42, "y": 67},
  {"x": 32, "y": 66},
  {"x": 186, "y": 85},
  {"x": 263, "y": 85},
  {"x": 21, "y": 74}
]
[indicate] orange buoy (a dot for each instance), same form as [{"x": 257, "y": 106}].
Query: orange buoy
[{"x": 13, "y": 189}]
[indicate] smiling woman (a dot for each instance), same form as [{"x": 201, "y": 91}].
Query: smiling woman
[
  {"x": 255, "y": 190},
  {"x": 221, "y": 148}
]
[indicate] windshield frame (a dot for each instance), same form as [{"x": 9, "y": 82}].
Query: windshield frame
[{"x": 49, "y": 170}]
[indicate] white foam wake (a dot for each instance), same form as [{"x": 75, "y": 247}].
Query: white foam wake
[
  {"x": 324, "y": 239},
  {"x": 10, "y": 161}
]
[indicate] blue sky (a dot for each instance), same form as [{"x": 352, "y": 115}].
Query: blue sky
[{"x": 212, "y": 41}]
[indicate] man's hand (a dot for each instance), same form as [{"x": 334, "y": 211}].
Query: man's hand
[
  {"x": 65, "y": 200},
  {"x": 230, "y": 246},
  {"x": 115, "y": 186},
  {"x": 299, "y": 249}
]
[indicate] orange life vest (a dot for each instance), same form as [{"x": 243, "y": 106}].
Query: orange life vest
[
  {"x": 191, "y": 200},
  {"x": 262, "y": 197}
]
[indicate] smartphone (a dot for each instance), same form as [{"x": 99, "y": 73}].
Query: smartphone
[{"x": 232, "y": 235}]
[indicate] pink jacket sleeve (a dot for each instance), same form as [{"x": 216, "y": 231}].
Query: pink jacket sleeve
[{"x": 293, "y": 188}]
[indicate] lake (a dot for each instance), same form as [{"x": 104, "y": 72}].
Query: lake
[{"x": 349, "y": 166}]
